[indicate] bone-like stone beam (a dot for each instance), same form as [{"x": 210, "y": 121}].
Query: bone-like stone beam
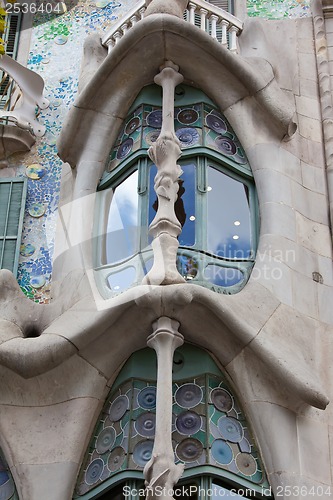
[
  {"x": 161, "y": 470},
  {"x": 164, "y": 153}
]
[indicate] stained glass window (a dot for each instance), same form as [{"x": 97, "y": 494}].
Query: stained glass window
[
  {"x": 210, "y": 432},
  {"x": 216, "y": 204}
]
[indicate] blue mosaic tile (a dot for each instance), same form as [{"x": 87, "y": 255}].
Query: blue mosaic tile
[{"x": 50, "y": 59}]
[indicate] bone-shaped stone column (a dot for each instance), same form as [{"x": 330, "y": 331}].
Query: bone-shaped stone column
[
  {"x": 164, "y": 153},
  {"x": 161, "y": 469}
]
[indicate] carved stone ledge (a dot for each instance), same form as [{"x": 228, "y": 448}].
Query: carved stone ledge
[
  {"x": 173, "y": 7},
  {"x": 13, "y": 140}
]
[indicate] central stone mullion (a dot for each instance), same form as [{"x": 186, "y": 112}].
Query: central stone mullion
[
  {"x": 165, "y": 227},
  {"x": 161, "y": 469}
]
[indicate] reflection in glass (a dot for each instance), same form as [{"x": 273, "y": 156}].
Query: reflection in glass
[
  {"x": 223, "y": 276},
  {"x": 184, "y": 206},
  {"x": 228, "y": 232},
  {"x": 220, "y": 492},
  {"x": 122, "y": 279},
  {"x": 187, "y": 491},
  {"x": 122, "y": 228},
  {"x": 187, "y": 267}
]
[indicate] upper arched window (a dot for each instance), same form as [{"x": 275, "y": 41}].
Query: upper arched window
[
  {"x": 210, "y": 433},
  {"x": 216, "y": 203}
]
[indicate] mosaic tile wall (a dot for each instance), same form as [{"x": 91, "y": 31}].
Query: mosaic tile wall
[
  {"x": 278, "y": 9},
  {"x": 55, "y": 53}
]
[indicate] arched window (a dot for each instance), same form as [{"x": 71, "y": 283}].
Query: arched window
[
  {"x": 216, "y": 203},
  {"x": 210, "y": 434}
]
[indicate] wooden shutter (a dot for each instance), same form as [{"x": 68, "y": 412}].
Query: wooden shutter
[
  {"x": 12, "y": 34},
  {"x": 12, "y": 204},
  {"x": 222, "y": 4}
]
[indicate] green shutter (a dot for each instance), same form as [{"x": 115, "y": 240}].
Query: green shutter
[
  {"x": 11, "y": 38},
  {"x": 12, "y": 203}
]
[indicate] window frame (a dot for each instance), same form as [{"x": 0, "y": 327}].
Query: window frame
[
  {"x": 202, "y": 157},
  {"x": 202, "y": 477}
]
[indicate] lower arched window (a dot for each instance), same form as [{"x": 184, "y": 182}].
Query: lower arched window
[
  {"x": 210, "y": 434},
  {"x": 216, "y": 203}
]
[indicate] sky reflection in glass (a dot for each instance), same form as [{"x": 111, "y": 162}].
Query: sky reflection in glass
[
  {"x": 184, "y": 206},
  {"x": 228, "y": 230},
  {"x": 220, "y": 492},
  {"x": 122, "y": 280},
  {"x": 122, "y": 227}
]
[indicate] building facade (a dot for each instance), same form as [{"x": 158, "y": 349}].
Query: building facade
[{"x": 166, "y": 250}]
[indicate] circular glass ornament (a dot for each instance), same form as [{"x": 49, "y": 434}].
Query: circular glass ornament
[
  {"x": 226, "y": 145},
  {"x": 187, "y": 136},
  {"x": 94, "y": 471},
  {"x": 246, "y": 464},
  {"x": 187, "y": 116},
  {"x": 152, "y": 137},
  {"x": 118, "y": 408},
  {"x": 116, "y": 458},
  {"x": 230, "y": 429},
  {"x": 221, "y": 452},
  {"x": 189, "y": 450},
  {"x": 154, "y": 118},
  {"x": 147, "y": 398},
  {"x": 188, "y": 395},
  {"x": 221, "y": 399},
  {"x": 105, "y": 440},
  {"x": 216, "y": 123},
  {"x": 125, "y": 148},
  {"x": 132, "y": 125},
  {"x": 188, "y": 422},
  {"x": 145, "y": 424},
  {"x": 142, "y": 452}
]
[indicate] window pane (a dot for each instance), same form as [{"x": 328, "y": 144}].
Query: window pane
[
  {"x": 122, "y": 280},
  {"x": 184, "y": 206},
  {"x": 122, "y": 229},
  {"x": 187, "y": 266},
  {"x": 220, "y": 492},
  {"x": 228, "y": 218},
  {"x": 186, "y": 491},
  {"x": 223, "y": 276},
  {"x": 114, "y": 494}
]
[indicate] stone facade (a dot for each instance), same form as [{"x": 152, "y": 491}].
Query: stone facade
[{"x": 62, "y": 344}]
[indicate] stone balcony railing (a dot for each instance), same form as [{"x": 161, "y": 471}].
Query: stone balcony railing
[{"x": 218, "y": 23}]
